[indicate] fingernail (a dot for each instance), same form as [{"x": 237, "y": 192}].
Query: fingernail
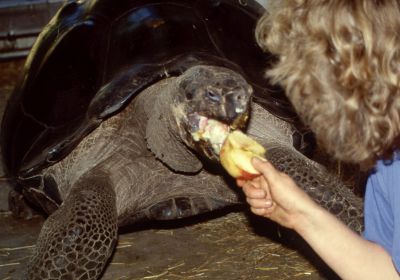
[
  {"x": 261, "y": 159},
  {"x": 268, "y": 203}
]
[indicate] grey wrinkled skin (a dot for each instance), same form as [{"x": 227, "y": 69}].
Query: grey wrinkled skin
[{"x": 137, "y": 165}]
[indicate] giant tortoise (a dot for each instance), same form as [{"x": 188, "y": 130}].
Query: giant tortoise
[{"x": 99, "y": 130}]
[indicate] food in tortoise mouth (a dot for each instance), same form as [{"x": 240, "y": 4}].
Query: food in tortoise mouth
[
  {"x": 212, "y": 131},
  {"x": 234, "y": 148}
]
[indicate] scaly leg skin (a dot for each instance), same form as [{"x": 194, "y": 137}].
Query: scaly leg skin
[
  {"x": 327, "y": 190},
  {"x": 76, "y": 241}
]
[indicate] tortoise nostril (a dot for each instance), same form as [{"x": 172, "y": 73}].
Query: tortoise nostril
[{"x": 240, "y": 96}]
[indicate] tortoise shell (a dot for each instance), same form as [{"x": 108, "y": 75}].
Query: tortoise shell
[{"x": 90, "y": 48}]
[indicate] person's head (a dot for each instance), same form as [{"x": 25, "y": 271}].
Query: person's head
[{"x": 339, "y": 64}]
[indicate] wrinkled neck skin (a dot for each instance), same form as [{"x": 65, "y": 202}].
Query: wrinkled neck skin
[{"x": 163, "y": 134}]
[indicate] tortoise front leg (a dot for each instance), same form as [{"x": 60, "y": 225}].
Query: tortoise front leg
[
  {"x": 325, "y": 188},
  {"x": 77, "y": 240}
]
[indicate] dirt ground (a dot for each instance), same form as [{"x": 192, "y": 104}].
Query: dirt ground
[{"x": 231, "y": 244}]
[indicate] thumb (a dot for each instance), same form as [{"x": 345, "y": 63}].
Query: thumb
[{"x": 265, "y": 168}]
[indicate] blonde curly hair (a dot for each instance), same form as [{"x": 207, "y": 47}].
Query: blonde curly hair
[{"x": 339, "y": 64}]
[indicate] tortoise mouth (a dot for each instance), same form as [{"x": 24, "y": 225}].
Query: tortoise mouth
[{"x": 208, "y": 134}]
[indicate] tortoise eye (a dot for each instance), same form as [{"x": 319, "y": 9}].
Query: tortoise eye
[{"x": 212, "y": 96}]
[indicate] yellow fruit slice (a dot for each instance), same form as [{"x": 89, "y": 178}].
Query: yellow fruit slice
[{"x": 236, "y": 153}]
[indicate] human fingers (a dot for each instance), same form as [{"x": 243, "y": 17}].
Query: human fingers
[
  {"x": 265, "y": 212},
  {"x": 240, "y": 182},
  {"x": 265, "y": 186},
  {"x": 253, "y": 192},
  {"x": 273, "y": 180},
  {"x": 265, "y": 168},
  {"x": 260, "y": 203}
]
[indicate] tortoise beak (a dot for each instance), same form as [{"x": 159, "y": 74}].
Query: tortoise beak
[{"x": 240, "y": 121}]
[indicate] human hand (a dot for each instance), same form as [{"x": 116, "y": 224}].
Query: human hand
[{"x": 276, "y": 196}]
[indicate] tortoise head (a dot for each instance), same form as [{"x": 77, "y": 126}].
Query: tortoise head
[{"x": 210, "y": 100}]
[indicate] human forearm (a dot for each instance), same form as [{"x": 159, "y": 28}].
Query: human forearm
[{"x": 347, "y": 253}]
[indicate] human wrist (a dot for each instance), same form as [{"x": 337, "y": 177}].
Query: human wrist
[{"x": 308, "y": 218}]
